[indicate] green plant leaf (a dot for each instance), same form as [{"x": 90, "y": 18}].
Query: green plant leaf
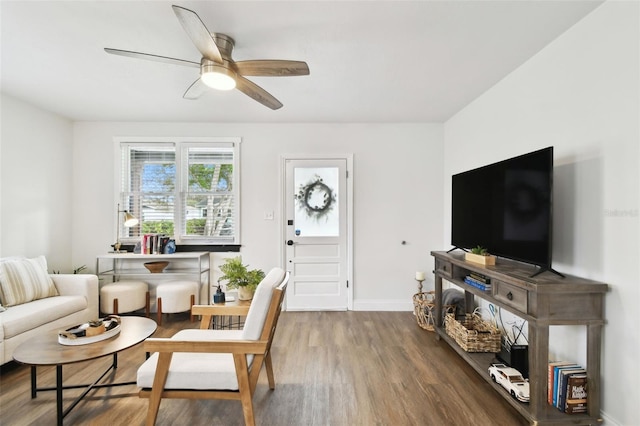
[{"x": 238, "y": 275}]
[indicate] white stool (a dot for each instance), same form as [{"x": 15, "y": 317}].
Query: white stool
[
  {"x": 175, "y": 296},
  {"x": 124, "y": 296}
]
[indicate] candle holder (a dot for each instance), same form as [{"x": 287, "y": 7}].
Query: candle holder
[{"x": 420, "y": 278}]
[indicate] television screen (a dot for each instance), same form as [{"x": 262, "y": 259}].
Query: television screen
[{"x": 506, "y": 207}]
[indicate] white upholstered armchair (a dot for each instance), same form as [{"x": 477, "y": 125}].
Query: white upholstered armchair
[{"x": 216, "y": 364}]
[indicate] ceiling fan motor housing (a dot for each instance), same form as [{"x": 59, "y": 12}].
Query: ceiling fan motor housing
[{"x": 225, "y": 45}]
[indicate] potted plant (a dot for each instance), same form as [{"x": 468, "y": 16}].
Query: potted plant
[
  {"x": 239, "y": 276},
  {"x": 480, "y": 255}
]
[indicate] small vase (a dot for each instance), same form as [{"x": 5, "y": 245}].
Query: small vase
[{"x": 244, "y": 293}]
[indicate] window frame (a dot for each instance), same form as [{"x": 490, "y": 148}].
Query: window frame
[{"x": 181, "y": 144}]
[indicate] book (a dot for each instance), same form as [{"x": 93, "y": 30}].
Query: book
[
  {"x": 576, "y": 401},
  {"x": 563, "y": 380},
  {"x": 556, "y": 379},
  {"x": 479, "y": 277},
  {"x": 153, "y": 243},
  {"x": 552, "y": 365},
  {"x": 477, "y": 284}
]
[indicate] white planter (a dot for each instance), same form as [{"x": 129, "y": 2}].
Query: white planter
[{"x": 244, "y": 293}]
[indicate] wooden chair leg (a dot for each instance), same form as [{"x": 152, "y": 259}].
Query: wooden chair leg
[
  {"x": 159, "y": 380},
  {"x": 244, "y": 388},
  {"x": 115, "y": 306},
  {"x": 147, "y": 306},
  {"x": 193, "y": 302},
  {"x": 159, "y": 321},
  {"x": 269, "y": 367}
]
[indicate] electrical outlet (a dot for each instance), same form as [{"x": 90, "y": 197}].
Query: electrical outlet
[{"x": 268, "y": 215}]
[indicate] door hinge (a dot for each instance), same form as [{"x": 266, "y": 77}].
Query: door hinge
[
  {"x": 347, "y": 283},
  {"x": 347, "y": 174}
]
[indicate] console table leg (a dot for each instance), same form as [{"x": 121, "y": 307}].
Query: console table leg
[
  {"x": 538, "y": 368},
  {"x": 594, "y": 347},
  {"x": 437, "y": 316}
]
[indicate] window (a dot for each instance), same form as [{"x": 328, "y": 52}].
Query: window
[{"x": 186, "y": 188}]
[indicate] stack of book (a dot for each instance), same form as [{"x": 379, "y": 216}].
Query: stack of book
[
  {"x": 567, "y": 387},
  {"x": 153, "y": 243},
  {"x": 478, "y": 281}
]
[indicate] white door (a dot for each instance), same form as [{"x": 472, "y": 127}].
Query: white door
[{"x": 316, "y": 234}]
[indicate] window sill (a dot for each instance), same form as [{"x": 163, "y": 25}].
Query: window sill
[{"x": 196, "y": 247}]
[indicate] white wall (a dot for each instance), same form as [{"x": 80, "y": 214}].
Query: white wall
[
  {"x": 35, "y": 184},
  {"x": 397, "y": 191},
  {"x": 580, "y": 94}
]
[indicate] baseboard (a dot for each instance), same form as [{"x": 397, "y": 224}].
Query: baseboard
[
  {"x": 383, "y": 305},
  {"x": 608, "y": 421}
]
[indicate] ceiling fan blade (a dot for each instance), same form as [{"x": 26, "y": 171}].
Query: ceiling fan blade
[
  {"x": 150, "y": 57},
  {"x": 272, "y": 68},
  {"x": 197, "y": 89},
  {"x": 198, "y": 33},
  {"x": 257, "y": 93}
]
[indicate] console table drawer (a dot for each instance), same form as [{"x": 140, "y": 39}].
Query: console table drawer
[
  {"x": 511, "y": 295},
  {"x": 443, "y": 268}
]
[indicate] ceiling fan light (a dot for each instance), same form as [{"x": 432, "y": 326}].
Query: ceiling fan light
[{"x": 218, "y": 77}]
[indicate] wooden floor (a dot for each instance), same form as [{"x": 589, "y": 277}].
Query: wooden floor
[{"x": 331, "y": 368}]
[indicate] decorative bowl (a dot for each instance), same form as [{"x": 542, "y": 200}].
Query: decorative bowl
[
  {"x": 90, "y": 332},
  {"x": 156, "y": 267}
]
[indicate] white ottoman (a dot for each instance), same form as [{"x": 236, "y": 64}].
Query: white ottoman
[
  {"x": 124, "y": 296},
  {"x": 175, "y": 296}
]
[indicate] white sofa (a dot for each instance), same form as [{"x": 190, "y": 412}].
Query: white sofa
[{"x": 76, "y": 302}]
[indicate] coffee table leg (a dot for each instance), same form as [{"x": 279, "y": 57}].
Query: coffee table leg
[
  {"x": 59, "y": 393},
  {"x": 34, "y": 384}
]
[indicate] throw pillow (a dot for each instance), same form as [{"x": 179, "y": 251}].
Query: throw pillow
[{"x": 24, "y": 280}]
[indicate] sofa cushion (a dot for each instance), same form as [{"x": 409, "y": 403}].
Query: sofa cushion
[
  {"x": 24, "y": 280},
  {"x": 195, "y": 370},
  {"x": 21, "y": 318}
]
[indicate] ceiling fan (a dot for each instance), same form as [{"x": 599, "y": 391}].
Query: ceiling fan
[{"x": 217, "y": 69}]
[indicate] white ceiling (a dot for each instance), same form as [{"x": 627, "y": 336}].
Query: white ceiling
[{"x": 370, "y": 61}]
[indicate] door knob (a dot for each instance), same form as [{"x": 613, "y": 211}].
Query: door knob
[{"x": 290, "y": 242}]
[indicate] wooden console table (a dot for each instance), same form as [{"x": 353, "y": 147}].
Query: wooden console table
[{"x": 542, "y": 301}]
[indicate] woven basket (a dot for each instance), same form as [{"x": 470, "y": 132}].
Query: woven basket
[
  {"x": 473, "y": 334},
  {"x": 423, "y": 306}
]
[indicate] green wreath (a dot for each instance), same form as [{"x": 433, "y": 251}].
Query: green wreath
[{"x": 306, "y": 193}]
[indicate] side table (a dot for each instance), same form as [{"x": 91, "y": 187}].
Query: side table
[{"x": 213, "y": 315}]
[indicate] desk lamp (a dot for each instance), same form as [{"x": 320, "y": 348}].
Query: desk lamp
[{"x": 129, "y": 221}]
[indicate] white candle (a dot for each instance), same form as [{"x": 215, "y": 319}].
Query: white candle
[{"x": 420, "y": 276}]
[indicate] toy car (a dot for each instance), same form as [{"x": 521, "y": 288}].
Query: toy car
[{"x": 510, "y": 379}]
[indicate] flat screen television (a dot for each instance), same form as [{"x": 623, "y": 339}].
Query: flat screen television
[{"x": 506, "y": 207}]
